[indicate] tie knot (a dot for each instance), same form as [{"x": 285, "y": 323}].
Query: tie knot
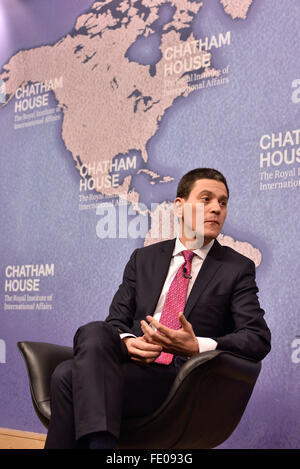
[{"x": 188, "y": 255}]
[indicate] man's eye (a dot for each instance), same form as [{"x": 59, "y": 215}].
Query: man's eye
[
  {"x": 205, "y": 198},
  {"x": 224, "y": 204}
]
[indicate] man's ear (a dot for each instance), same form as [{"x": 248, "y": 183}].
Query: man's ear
[{"x": 178, "y": 206}]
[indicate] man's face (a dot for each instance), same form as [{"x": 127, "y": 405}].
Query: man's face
[{"x": 213, "y": 195}]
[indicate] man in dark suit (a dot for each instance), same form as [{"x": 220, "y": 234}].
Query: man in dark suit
[{"x": 125, "y": 366}]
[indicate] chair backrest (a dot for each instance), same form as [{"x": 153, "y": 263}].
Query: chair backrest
[{"x": 41, "y": 359}]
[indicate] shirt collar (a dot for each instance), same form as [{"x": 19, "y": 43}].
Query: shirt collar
[{"x": 200, "y": 252}]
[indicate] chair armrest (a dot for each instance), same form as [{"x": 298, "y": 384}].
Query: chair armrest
[
  {"x": 240, "y": 367},
  {"x": 41, "y": 359},
  {"x": 207, "y": 400},
  {"x": 229, "y": 364}
]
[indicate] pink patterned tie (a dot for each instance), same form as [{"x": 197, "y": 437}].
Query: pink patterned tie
[{"x": 175, "y": 301}]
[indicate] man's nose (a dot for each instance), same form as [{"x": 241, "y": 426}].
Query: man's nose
[{"x": 215, "y": 206}]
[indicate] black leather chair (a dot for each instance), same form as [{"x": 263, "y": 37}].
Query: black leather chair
[{"x": 204, "y": 406}]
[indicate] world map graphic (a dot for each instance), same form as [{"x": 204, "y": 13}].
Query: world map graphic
[{"x": 114, "y": 76}]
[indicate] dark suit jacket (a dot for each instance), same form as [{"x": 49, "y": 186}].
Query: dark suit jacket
[{"x": 222, "y": 305}]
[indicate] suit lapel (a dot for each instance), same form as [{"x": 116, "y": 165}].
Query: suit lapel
[
  {"x": 211, "y": 264},
  {"x": 161, "y": 266}
]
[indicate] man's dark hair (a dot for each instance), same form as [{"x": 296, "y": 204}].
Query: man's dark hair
[{"x": 187, "y": 181}]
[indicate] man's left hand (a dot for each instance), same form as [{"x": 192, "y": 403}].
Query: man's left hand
[{"x": 178, "y": 342}]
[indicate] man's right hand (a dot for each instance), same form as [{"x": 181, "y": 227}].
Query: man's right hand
[{"x": 141, "y": 351}]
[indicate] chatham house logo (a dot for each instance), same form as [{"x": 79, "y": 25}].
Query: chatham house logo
[{"x": 2, "y": 91}]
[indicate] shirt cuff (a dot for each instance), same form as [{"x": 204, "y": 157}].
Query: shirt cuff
[
  {"x": 206, "y": 344},
  {"x": 126, "y": 334}
]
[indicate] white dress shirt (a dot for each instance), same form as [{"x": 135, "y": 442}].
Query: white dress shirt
[{"x": 205, "y": 343}]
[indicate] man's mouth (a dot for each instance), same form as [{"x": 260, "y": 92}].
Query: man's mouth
[{"x": 212, "y": 221}]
